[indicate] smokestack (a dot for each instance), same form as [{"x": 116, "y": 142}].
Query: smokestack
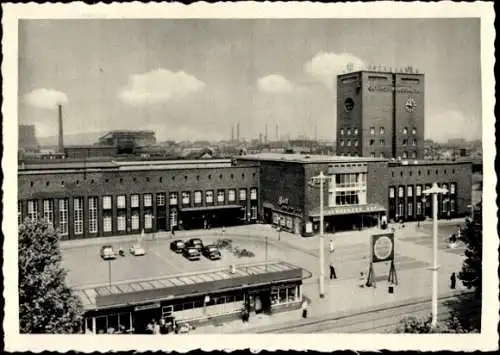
[
  {"x": 265, "y": 135},
  {"x": 232, "y": 133},
  {"x": 238, "y": 132},
  {"x": 61, "y": 132},
  {"x": 277, "y": 135}
]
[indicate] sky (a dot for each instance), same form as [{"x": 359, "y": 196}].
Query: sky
[{"x": 194, "y": 79}]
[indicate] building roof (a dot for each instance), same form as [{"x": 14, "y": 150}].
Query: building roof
[
  {"x": 427, "y": 162},
  {"x": 307, "y": 158},
  {"x": 188, "y": 284}
]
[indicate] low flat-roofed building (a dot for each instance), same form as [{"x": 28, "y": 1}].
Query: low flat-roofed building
[{"x": 270, "y": 286}]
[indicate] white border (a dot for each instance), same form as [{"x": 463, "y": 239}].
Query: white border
[{"x": 487, "y": 340}]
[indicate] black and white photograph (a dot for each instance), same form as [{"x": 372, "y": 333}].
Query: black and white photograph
[{"x": 229, "y": 178}]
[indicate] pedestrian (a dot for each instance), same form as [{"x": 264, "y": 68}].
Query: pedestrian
[
  {"x": 453, "y": 280},
  {"x": 331, "y": 246},
  {"x": 333, "y": 274},
  {"x": 304, "y": 309},
  {"x": 173, "y": 231},
  {"x": 361, "y": 280}
]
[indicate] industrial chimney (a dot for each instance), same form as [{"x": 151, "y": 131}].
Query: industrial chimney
[
  {"x": 277, "y": 135},
  {"x": 232, "y": 133},
  {"x": 265, "y": 135},
  {"x": 61, "y": 132},
  {"x": 238, "y": 132}
]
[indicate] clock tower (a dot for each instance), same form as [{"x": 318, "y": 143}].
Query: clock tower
[{"x": 380, "y": 113}]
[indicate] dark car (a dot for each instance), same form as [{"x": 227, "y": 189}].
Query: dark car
[
  {"x": 191, "y": 253},
  {"x": 107, "y": 252},
  {"x": 195, "y": 243},
  {"x": 177, "y": 246},
  {"x": 211, "y": 252}
]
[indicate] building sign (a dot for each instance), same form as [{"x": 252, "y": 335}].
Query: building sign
[
  {"x": 282, "y": 201},
  {"x": 147, "y": 306},
  {"x": 382, "y": 247},
  {"x": 401, "y": 90},
  {"x": 355, "y": 209}
]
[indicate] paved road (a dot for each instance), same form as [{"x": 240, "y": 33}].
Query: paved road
[{"x": 384, "y": 320}]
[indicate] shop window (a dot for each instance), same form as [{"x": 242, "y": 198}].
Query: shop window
[
  {"x": 148, "y": 220},
  {"x": 410, "y": 209},
  {"x": 253, "y": 212},
  {"x": 231, "y": 195},
  {"x": 173, "y": 198},
  {"x": 419, "y": 208},
  {"x": 120, "y": 201},
  {"x": 134, "y": 201}
]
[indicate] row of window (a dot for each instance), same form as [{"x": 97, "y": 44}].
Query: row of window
[
  {"x": 419, "y": 172},
  {"x": 147, "y": 179},
  {"x": 185, "y": 198},
  {"x": 348, "y": 130},
  {"x": 419, "y": 190},
  {"x": 92, "y": 216}
]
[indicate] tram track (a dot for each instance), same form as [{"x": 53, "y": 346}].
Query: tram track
[{"x": 372, "y": 321}]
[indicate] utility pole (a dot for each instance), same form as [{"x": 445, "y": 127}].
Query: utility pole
[
  {"x": 434, "y": 191},
  {"x": 320, "y": 178}
]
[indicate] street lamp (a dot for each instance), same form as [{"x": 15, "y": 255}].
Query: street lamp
[
  {"x": 434, "y": 191},
  {"x": 320, "y": 178}
]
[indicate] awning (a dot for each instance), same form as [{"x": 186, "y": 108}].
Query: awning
[
  {"x": 210, "y": 208},
  {"x": 345, "y": 210}
]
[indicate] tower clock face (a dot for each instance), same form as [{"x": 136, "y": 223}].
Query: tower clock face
[
  {"x": 348, "y": 104},
  {"x": 410, "y": 104}
]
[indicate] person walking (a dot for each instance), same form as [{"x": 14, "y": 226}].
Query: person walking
[
  {"x": 453, "y": 280},
  {"x": 333, "y": 274},
  {"x": 304, "y": 309}
]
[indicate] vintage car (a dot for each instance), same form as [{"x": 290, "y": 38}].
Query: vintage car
[
  {"x": 195, "y": 243},
  {"x": 191, "y": 253},
  {"x": 107, "y": 252},
  {"x": 137, "y": 250},
  {"x": 177, "y": 246},
  {"x": 211, "y": 252}
]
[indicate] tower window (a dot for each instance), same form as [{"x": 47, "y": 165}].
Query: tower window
[
  {"x": 372, "y": 141},
  {"x": 348, "y": 131},
  {"x": 372, "y": 155},
  {"x": 413, "y": 154},
  {"x": 414, "y": 130},
  {"x": 341, "y": 131},
  {"x": 414, "y": 142},
  {"x": 348, "y": 143},
  {"x": 382, "y": 131},
  {"x": 405, "y": 155},
  {"x": 382, "y": 142},
  {"x": 341, "y": 142},
  {"x": 355, "y": 131},
  {"x": 405, "y": 141},
  {"x": 382, "y": 155},
  {"x": 355, "y": 143},
  {"x": 405, "y": 130},
  {"x": 372, "y": 131}
]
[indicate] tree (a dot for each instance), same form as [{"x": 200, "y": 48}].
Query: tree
[
  {"x": 46, "y": 304},
  {"x": 423, "y": 325},
  {"x": 472, "y": 236}
]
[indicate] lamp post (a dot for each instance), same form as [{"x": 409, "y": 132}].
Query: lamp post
[
  {"x": 320, "y": 178},
  {"x": 434, "y": 191}
]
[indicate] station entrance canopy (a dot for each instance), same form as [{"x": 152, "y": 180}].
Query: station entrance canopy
[{"x": 178, "y": 286}]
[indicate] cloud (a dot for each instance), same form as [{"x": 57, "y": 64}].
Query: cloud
[
  {"x": 324, "y": 67},
  {"x": 452, "y": 124},
  {"x": 274, "y": 84},
  {"x": 46, "y": 98},
  {"x": 159, "y": 85}
]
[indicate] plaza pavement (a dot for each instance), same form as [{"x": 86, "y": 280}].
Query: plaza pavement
[{"x": 413, "y": 257}]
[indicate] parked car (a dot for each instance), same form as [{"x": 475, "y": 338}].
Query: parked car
[
  {"x": 107, "y": 252},
  {"x": 211, "y": 252},
  {"x": 195, "y": 243},
  {"x": 177, "y": 246},
  {"x": 137, "y": 250},
  {"x": 191, "y": 253}
]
